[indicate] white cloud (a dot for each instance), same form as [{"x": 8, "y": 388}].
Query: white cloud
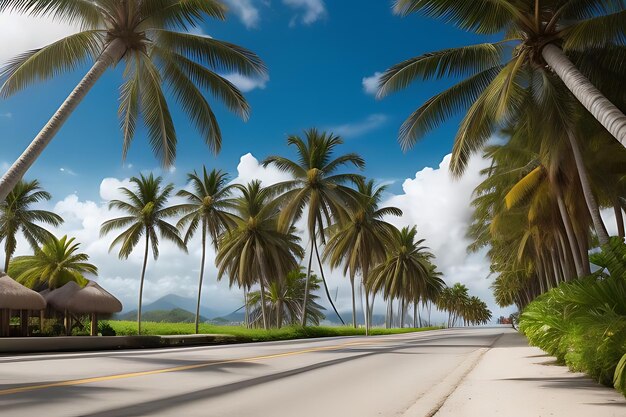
[
  {"x": 6, "y": 115},
  {"x": 4, "y": 166},
  {"x": 17, "y": 39},
  {"x": 350, "y": 130},
  {"x": 68, "y": 171},
  {"x": 370, "y": 84},
  {"x": 247, "y": 84},
  {"x": 250, "y": 169},
  {"x": 246, "y": 11},
  {"x": 310, "y": 11}
]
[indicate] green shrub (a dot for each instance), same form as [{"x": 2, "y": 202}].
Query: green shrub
[
  {"x": 105, "y": 329},
  {"x": 583, "y": 323}
]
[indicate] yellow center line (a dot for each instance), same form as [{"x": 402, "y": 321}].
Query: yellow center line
[{"x": 82, "y": 381}]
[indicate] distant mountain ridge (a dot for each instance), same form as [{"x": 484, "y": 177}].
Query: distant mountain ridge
[{"x": 173, "y": 301}]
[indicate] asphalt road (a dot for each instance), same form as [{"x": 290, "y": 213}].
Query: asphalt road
[{"x": 346, "y": 376}]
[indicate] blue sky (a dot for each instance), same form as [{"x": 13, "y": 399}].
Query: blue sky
[
  {"x": 316, "y": 74},
  {"x": 321, "y": 57}
]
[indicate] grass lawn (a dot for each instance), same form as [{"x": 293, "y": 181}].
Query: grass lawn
[{"x": 123, "y": 328}]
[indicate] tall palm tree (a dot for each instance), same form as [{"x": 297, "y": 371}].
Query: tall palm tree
[
  {"x": 453, "y": 300},
  {"x": 318, "y": 187},
  {"x": 539, "y": 37},
  {"x": 405, "y": 273},
  {"x": 153, "y": 39},
  {"x": 16, "y": 214},
  {"x": 206, "y": 209},
  {"x": 504, "y": 78},
  {"x": 284, "y": 298},
  {"x": 362, "y": 240},
  {"x": 146, "y": 210},
  {"x": 255, "y": 250},
  {"x": 53, "y": 265}
]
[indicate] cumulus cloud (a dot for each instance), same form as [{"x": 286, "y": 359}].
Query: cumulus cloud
[
  {"x": 370, "y": 84},
  {"x": 246, "y": 11},
  {"x": 360, "y": 128},
  {"x": 309, "y": 11},
  {"x": 18, "y": 40},
  {"x": 250, "y": 169},
  {"x": 246, "y": 84}
]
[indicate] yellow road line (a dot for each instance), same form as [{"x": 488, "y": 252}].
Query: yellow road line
[{"x": 82, "y": 381}]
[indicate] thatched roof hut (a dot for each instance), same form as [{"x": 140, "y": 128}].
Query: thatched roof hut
[
  {"x": 92, "y": 299},
  {"x": 15, "y": 296}
]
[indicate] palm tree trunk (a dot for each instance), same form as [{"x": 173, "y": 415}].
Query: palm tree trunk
[
  {"x": 263, "y": 306},
  {"x": 583, "y": 247},
  {"x": 589, "y": 96},
  {"x": 111, "y": 55},
  {"x": 246, "y": 318},
  {"x": 201, "y": 274},
  {"x": 279, "y": 313},
  {"x": 415, "y": 314},
  {"x": 592, "y": 204},
  {"x": 330, "y": 299},
  {"x": 563, "y": 257},
  {"x": 619, "y": 218},
  {"x": 569, "y": 230},
  {"x": 367, "y": 313},
  {"x": 354, "y": 303},
  {"x": 143, "y": 275},
  {"x": 306, "y": 286}
]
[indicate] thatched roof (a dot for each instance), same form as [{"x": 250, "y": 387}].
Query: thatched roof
[
  {"x": 15, "y": 296},
  {"x": 90, "y": 299}
]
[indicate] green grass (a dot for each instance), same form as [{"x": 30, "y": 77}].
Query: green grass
[{"x": 123, "y": 328}]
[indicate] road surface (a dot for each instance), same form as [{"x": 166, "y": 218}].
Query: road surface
[{"x": 345, "y": 376}]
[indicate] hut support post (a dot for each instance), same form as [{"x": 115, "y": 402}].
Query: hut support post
[
  {"x": 3, "y": 316},
  {"x": 68, "y": 323},
  {"x": 94, "y": 324},
  {"x": 41, "y": 313},
  {"x": 24, "y": 322}
]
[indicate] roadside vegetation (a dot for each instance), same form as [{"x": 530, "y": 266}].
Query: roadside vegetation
[{"x": 254, "y": 335}]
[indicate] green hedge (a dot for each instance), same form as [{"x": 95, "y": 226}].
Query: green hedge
[{"x": 583, "y": 323}]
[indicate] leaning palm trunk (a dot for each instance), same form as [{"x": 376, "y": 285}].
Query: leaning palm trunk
[
  {"x": 619, "y": 218},
  {"x": 589, "y": 96},
  {"x": 569, "y": 230},
  {"x": 143, "y": 275},
  {"x": 354, "y": 304},
  {"x": 330, "y": 299},
  {"x": 201, "y": 275},
  {"x": 111, "y": 54},
  {"x": 306, "y": 286},
  {"x": 368, "y": 316},
  {"x": 592, "y": 204}
]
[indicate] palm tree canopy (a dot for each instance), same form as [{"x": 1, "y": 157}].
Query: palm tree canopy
[
  {"x": 16, "y": 214},
  {"x": 288, "y": 295},
  {"x": 255, "y": 249},
  {"x": 55, "y": 264},
  {"x": 153, "y": 39},
  {"x": 499, "y": 78},
  {"x": 146, "y": 210},
  {"x": 316, "y": 181},
  {"x": 361, "y": 241},
  {"x": 208, "y": 204},
  {"x": 406, "y": 270}
]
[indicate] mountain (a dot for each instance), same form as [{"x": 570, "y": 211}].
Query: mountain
[
  {"x": 176, "y": 315},
  {"x": 172, "y": 302},
  {"x": 236, "y": 317}
]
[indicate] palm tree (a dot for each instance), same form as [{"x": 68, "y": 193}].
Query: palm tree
[
  {"x": 453, "y": 300},
  {"x": 498, "y": 86},
  {"x": 475, "y": 312},
  {"x": 255, "y": 250},
  {"x": 144, "y": 34},
  {"x": 562, "y": 34},
  {"x": 146, "y": 209},
  {"x": 318, "y": 187},
  {"x": 53, "y": 265},
  {"x": 206, "y": 210},
  {"x": 16, "y": 214},
  {"x": 284, "y": 299},
  {"x": 405, "y": 273},
  {"x": 362, "y": 240}
]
